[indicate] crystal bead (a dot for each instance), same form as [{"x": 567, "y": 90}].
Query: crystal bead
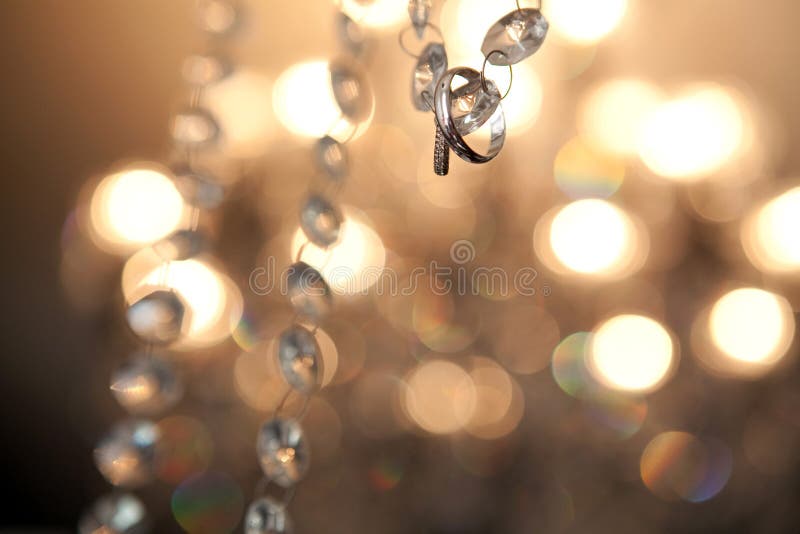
[
  {"x": 299, "y": 358},
  {"x": 118, "y": 513},
  {"x": 146, "y": 385},
  {"x": 308, "y": 292},
  {"x": 266, "y": 516},
  {"x": 351, "y": 91},
  {"x": 350, "y": 35},
  {"x": 199, "y": 188},
  {"x": 194, "y": 127},
  {"x": 331, "y": 157},
  {"x": 126, "y": 455},
  {"x": 517, "y": 36},
  {"x": 320, "y": 221},
  {"x": 283, "y": 451},
  {"x": 471, "y": 105},
  {"x": 206, "y": 69},
  {"x": 218, "y": 17},
  {"x": 179, "y": 246},
  {"x": 157, "y": 317},
  {"x": 419, "y": 11},
  {"x": 431, "y": 65}
]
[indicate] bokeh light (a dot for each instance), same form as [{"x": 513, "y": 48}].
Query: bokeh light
[
  {"x": 583, "y": 172},
  {"x": 208, "y": 503},
  {"x": 381, "y": 14},
  {"x": 184, "y": 449},
  {"x": 569, "y": 365},
  {"x": 584, "y": 22},
  {"x": 440, "y": 397},
  {"x": 499, "y": 402},
  {"x": 770, "y": 237}
]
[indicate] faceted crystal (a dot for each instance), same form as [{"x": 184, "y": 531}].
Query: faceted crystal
[
  {"x": 471, "y": 105},
  {"x": 179, "y": 246},
  {"x": 266, "y": 516},
  {"x": 146, "y": 385},
  {"x": 116, "y": 513},
  {"x": 419, "y": 11},
  {"x": 199, "y": 188},
  {"x": 308, "y": 292},
  {"x": 206, "y": 69},
  {"x": 517, "y": 36},
  {"x": 126, "y": 455},
  {"x": 299, "y": 358},
  {"x": 331, "y": 157},
  {"x": 157, "y": 317},
  {"x": 283, "y": 451},
  {"x": 350, "y": 35},
  {"x": 431, "y": 65},
  {"x": 351, "y": 91},
  {"x": 320, "y": 221},
  {"x": 194, "y": 127}
]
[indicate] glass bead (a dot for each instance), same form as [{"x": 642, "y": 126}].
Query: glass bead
[
  {"x": 283, "y": 452},
  {"x": 146, "y": 385},
  {"x": 350, "y": 35},
  {"x": 420, "y": 12},
  {"x": 118, "y": 513},
  {"x": 321, "y": 221},
  {"x": 157, "y": 317},
  {"x": 471, "y": 105},
  {"x": 179, "y": 246},
  {"x": 194, "y": 127},
  {"x": 517, "y": 36},
  {"x": 299, "y": 358},
  {"x": 351, "y": 90},
  {"x": 431, "y": 65},
  {"x": 218, "y": 17},
  {"x": 331, "y": 156},
  {"x": 266, "y": 516},
  {"x": 198, "y": 188},
  {"x": 202, "y": 70},
  {"x": 308, "y": 292},
  {"x": 126, "y": 455}
]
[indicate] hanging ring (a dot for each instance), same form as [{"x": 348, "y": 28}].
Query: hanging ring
[
  {"x": 483, "y": 73},
  {"x": 282, "y": 406},
  {"x": 401, "y": 38},
  {"x": 262, "y": 490},
  {"x": 538, "y": 6}
]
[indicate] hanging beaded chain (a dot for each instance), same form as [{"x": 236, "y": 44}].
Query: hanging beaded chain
[
  {"x": 281, "y": 446},
  {"x": 147, "y": 384},
  {"x": 477, "y": 102}
]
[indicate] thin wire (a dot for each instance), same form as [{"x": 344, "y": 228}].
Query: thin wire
[
  {"x": 404, "y": 31},
  {"x": 483, "y": 73},
  {"x": 539, "y": 5}
]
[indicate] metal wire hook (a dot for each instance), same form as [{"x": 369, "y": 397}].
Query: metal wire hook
[
  {"x": 483, "y": 73},
  {"x": 403, "y": 32}
]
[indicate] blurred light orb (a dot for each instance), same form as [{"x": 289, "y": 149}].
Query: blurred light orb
[
  {"x": 612, "y": 114},
  {"x": 584, "y": 22},
  {"x": 115, "y": 513},
  {"x": 133, "y": 208},
  {"x": 631, "y": 353},
  {"x": 582, "y": 172},
  {"x": 354, "y": 263},
  {"x": 185, "y": 448},
  {"x": 523, "y": 103},
  {"x": 440, "y": 397},
  {"x": 694, "y": 135},
  {"x": 770, "y": 237},
  {"x": 464, "y": 24},
  {"x": 752, "y": 325},
  {"x": 208, "y": 502},
  {"x": 569, "y": 365},
  {"x": 376, "y": 13}
]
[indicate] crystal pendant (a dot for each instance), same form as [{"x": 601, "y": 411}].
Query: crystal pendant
[
  {"x": 198, "y": 188},
  {"x": 350, "y": 35},
  {"x": 419, "y": 11},
  {"x": 308, "y": 292},
  {"x": 331, "y": 157},
  {"x": 431, "y": 65},
  {"x": 179, "y": 246},
  {"x": 320, "y": 221},
  {"x": 471, "y": 105},
  {"x": 266, "y": 516},
  {"x": 517, "y": 36},
  {"x": 157, "y": 317},
  {"x": 206, "y": 69},
  {"x": 283, "y": 451},
  {"x": 299, "y": 358},
  {"x": 118, "y": 513},
  {"x": 146, "y": 385},
  {"x": 126, "y": 455},
  {"x": 351, "y": 91},
  {"x": 218, "y": 17},
  {"x": 194, "y": 127}
]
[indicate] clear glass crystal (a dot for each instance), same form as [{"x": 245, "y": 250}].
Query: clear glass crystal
[
  {"x": 194, "y": 127},
  {"x": 308, "y": 292},
  {"x": 419, "y": 11},
  {"x": 117, "y": 513},
  {"x": 146, "y": 385},
  {"x": 299, "y": 358},
  {"x": 331, "y": 157},
  {"x": 199, "y": 188},
  {"x": 351, "y": 90},
  {"x": 157, "y": 317},
  {"x": 126, "y": 455},
  {"x": 517, "y": 35},
  {"x": 179, "y": 246},
  {"x": 283, "y": 451},
  {"x": 320, "y": 221},
  {"x": 266, "y": 516},
  {"x": 350, "y": 34},
  {"x": 471, "y": 105},
  {"x": 431, "y": 65},
  {"x": 206, "y": 69}
]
